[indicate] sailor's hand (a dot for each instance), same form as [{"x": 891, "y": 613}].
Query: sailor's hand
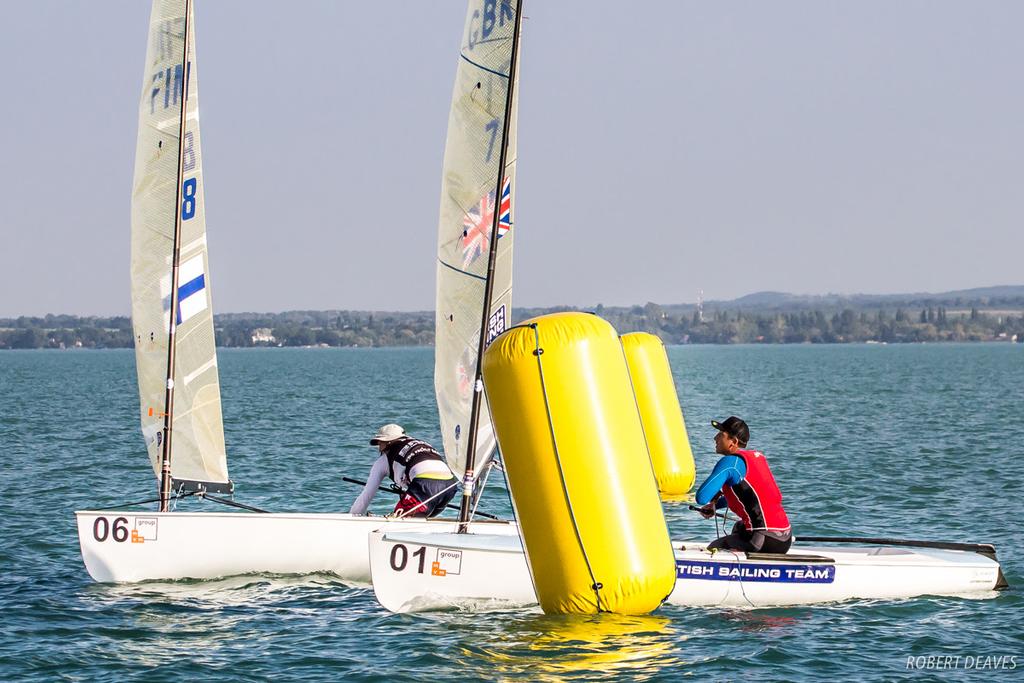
[{"x": 707, "y": 511}]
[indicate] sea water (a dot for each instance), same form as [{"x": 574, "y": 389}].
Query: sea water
[{"x": 910, "y": 441}]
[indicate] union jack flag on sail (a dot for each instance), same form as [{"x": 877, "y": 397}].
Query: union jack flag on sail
[{"x": 476, "y": 225}]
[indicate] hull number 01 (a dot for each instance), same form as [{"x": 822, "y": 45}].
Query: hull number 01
[{"x": 400, "y": 558}]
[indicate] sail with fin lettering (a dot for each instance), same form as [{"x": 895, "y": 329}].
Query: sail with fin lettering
[
  {"x": 169, "y": 180},
  {"x": 469, "y": 199}
]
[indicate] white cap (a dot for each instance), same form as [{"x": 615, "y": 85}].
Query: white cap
[{"x": 388, "y": 432}]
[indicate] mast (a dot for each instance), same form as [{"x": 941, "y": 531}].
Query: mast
[
  {"x": 165, "y": 458},
  {"x": 474, "y": 415}
]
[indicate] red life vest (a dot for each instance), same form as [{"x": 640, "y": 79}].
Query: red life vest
[{"x": 757, "y": 500}]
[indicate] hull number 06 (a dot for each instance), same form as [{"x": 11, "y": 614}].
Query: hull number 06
[{"x": 102, "y": 529}]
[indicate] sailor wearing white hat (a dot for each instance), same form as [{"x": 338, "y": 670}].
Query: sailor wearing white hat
[{"x": 416, "y": 467}]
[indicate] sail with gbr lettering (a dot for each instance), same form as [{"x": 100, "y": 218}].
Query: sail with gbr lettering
[
  {"x": 469, "y": 199},
  {"x": 168, "y": 197}
]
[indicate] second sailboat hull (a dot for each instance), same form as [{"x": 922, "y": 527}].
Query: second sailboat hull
[
  {"x": 481, "y": 572},
  {"x": 127, "y": 547}
]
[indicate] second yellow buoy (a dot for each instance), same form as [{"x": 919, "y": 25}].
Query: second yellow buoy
[{"x": 660, "y": 412}]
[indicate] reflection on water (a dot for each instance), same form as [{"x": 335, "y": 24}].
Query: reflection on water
[
  {"x": 164, "y": 621},
  {"x": 757, "y": 620},
  {"x": 561, "y": 647},
  {"x": 678, "y": 499},
  {"x": 211, "y": 595}
]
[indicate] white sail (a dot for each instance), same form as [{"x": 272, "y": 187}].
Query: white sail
[
  {"x": 468, "y": 202},
  {"x": 198, "y": 453}
]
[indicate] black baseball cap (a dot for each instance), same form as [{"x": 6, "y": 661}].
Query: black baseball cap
[{"x": 734, "y": 427}]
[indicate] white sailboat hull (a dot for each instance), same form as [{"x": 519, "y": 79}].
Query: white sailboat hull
[
  {"x": 492, "y": 573},
  {"x": 128, "y": 547},
  {"x": 419, "y": 572},
  {"x": 842, "y": 573}
]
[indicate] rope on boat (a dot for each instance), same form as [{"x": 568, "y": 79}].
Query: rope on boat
[
  {"x": 423, "y": 503},
  {"x": 491, "y": 464},
  {"x": 508, "y": 494},
  {"x": 719, "y": 534},
  {"x": 180, "y": 496},
  {"x": 389, "y": 489},
  {"x": 480, "y": 489},
  {"x": 145, "y": 502},
  {"x": 394, "y": 489},
  {"x": 981, "y": 548},
  {"x": 234, "y": 504}
]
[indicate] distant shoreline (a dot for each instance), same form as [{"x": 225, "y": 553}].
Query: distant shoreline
[
  {"x": 992, "y": 342},
  {"x": 766, "y": 319}
]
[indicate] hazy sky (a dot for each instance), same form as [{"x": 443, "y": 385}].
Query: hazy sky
[{"x": 664, "y": 147}]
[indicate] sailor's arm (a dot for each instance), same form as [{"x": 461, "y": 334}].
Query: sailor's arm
[
  {"x": 728, "y": 470},
  {"x": 373, "y": 480}
]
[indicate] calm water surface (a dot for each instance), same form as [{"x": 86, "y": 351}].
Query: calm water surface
[{"x": 915, "y": 441}]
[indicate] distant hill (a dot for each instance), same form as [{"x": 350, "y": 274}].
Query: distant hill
[{"x": 1005, "y": 296}]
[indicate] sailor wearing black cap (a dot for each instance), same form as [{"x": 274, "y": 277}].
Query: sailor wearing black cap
[{"x": 743, "y": 481}]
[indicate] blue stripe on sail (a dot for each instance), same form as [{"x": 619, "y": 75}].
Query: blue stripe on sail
[
  {"x": 484, "y": 68},
  {"x": 188, "y": 289}
]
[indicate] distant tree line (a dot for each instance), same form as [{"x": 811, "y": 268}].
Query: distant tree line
[
  {"x": 325, "y": 328},
  {"x": 65, "y": 331},
  {"x": 674, "y": 324},
  {"x": 294, "y": 328},
  {"x": 929, "y": 324}
]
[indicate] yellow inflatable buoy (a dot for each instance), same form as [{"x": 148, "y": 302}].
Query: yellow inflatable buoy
[
  {"x": 582, "y": 484},
  {"x": 660, "y": 413}
]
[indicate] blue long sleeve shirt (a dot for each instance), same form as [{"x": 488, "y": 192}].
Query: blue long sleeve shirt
[{"x": 729, "y": 470}]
